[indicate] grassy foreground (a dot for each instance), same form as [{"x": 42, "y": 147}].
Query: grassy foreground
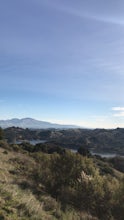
[{"x": 40, "y": 186}]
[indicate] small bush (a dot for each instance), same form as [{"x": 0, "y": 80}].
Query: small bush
[
  {"x": 2, "y": 215},
  {"x": 15, "y": 147},
  {"x": 49, "y": 204},
  {"x": 4, "y": 144},
  {"x": 5, "y": 152}
]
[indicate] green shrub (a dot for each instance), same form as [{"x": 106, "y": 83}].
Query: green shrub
[{"x": 4, "y": 144}]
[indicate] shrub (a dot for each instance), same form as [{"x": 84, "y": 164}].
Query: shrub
[{"x": 4, "y": 144}]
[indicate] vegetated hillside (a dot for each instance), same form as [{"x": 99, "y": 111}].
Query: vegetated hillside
[
  {"x": 99, "y": 140},
  {"x": 45, "y": 184}
]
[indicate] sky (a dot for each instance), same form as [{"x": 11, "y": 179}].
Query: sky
[{"x": 63, "y": 61}]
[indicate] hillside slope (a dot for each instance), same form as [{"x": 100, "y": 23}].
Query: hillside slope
[
  {"x": 16, "y": 202},
  {"x": 65, "y": 186},
  {"x": 18, "y": 199}
]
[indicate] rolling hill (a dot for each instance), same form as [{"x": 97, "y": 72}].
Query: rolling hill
[{"x": 32, "y": 123}]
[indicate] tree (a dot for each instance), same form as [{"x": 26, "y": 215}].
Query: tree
[
  {"x": 65, "y": 171},
  {"x": 84, "y": 151},
  {"x": 1, "y": 133}
]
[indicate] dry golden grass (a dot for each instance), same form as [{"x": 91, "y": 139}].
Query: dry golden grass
[{"x": 15, "y": 202}]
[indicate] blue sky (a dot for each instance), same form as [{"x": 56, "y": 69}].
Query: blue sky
[{"x": 63, "y": 61}]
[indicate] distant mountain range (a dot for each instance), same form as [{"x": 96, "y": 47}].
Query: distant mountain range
[{"x": 32, "y": 124}]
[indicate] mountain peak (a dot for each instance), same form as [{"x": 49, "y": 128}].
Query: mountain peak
[{"x": 32, "y": 123}]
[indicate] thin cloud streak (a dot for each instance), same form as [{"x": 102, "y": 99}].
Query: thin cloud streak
[
  {"x": 118, "y": 108},
  {"x": 91, "y": 16}
]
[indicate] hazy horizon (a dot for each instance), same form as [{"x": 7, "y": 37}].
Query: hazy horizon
[{"x": 62, "y": 61}]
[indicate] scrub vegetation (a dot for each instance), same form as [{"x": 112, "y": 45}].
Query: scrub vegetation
[{"x": 58, "y": 184}]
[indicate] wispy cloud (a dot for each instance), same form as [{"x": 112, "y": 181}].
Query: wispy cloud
[
  {"x": 88, "y": 14},
  {"x": 110, "y": 20},
  {"x": 119, "y": 110}
]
